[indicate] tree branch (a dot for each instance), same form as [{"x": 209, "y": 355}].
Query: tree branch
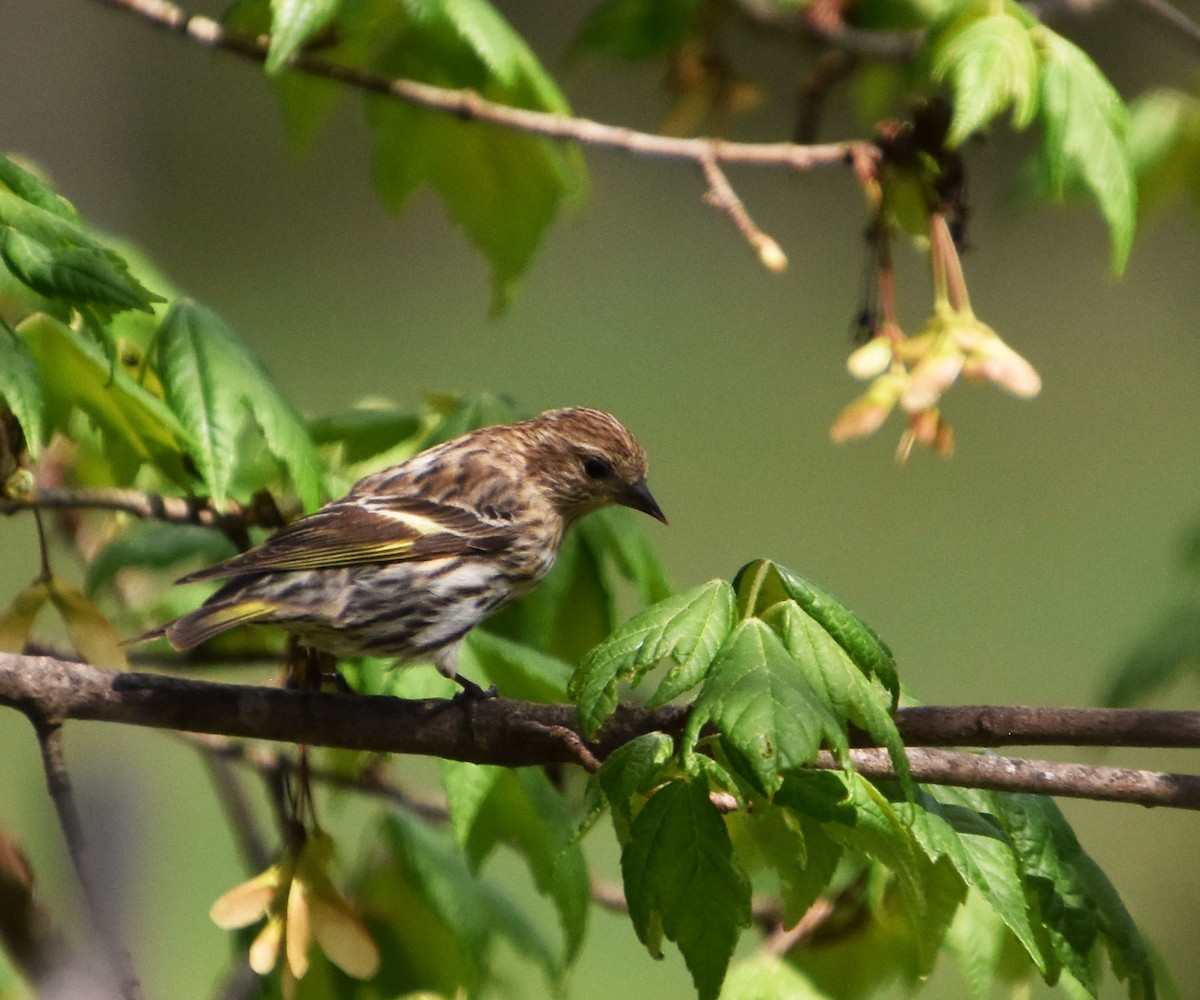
[
  {"x": 103, "y": 920},
  {"x": 467, "y": 104},
  {"x": 516, "y": 733},
  {"x": 149, "y": 506}
]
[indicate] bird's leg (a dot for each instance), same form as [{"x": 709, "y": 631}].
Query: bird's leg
[{"x": 472, "y": 691}]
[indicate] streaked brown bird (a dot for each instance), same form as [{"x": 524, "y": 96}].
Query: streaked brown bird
[{"x": 415, "y": 556}]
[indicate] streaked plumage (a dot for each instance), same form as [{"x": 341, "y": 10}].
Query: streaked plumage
[{"x": 416, "y": 555}]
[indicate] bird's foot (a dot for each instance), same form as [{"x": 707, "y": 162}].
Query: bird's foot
[{"x": 473, "y": 692}]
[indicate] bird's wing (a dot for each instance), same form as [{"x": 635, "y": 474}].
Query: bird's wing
[{"x": 360, "y": 533}]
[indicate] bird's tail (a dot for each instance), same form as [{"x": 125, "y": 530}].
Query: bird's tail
[{"x": 211, "y": 619}]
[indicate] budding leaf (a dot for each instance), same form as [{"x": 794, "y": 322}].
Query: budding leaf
[
  {"x": 682, "y": 882},
  {"x": 211, "y": 379},
  {"x": 1086, "y": 126},
  {"x": 687, "y": 628},
  {"x": 990, "y": 61},
  {"x": 764, "y": 706}
]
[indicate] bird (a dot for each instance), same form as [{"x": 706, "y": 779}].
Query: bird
[{"x": 416, "y": 555}]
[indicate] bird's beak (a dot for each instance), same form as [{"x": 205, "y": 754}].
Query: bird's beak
[{"x": 637, "y": 495}]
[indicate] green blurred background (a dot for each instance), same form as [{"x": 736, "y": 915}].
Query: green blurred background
[{"x": 1017, "y": 572}]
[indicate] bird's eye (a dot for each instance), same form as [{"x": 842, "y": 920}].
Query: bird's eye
[{"x": 596, "y": 467}]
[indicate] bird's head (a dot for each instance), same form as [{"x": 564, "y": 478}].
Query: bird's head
[{"x": 585, "y": 460}]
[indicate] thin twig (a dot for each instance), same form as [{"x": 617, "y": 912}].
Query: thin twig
[
  {"x": 103, "y": 920},
  {"x": 720, "y": 195},
  {"x": 1039, "y": 777},
  {"x": 255, "y": 854},
  {"x": 515, "y": 733},
  {"x": 1174, "y": 18},
  {"x": 148, "y": 506},
  {"x": 468, "y": 105}
]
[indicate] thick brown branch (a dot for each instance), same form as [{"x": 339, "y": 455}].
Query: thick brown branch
[
  {"x": 467, "y": 104},
  {"x": 516, "y": 733}
]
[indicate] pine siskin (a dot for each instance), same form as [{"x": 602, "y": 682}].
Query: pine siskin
[{"x": 415, "y": 556}]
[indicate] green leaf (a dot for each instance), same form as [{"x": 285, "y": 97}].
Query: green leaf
[
  {"x": 628, "y": 771},
  {"x": 503, "y": 188},
  {"x": 687, "y": 629},
  {"x": 494, "y": 805},
  {"x": 874, "y": 827},
  {"x": 1062, "y": 909},
  {"x": 1086, "y": 125},
  {"x": 763, "y": 583},
  {"x": 79, "y": 275},
  {"x": 957, "y": 824},
  {"x": 619, "y": 533},
  {"x": 28, "y": 186},
  {"x": 766, "y": 710},
  {"x": 436, "y": 921},
  {"x": 211, "y": 379},
  {"x": 1127, "y": 951},
  {"x": 18, "y": 617},
  {"x": 635, "y": 29},
  {"x": 682, "y": 882},
  {"x": 802, "y": 855},
  {"x": 364, "y": 432},
  {"x": 830, "y": 670},
  {"x": 91, "y": 634},
  {"x": 990, "y": 62},
  {"x": 766, "y": 977},
  {"x": 293, "y": 24},
  {"x": 153, "y": 545},
  {"x": 75, "y": 375},
  {"x": 21, "y": 388}
]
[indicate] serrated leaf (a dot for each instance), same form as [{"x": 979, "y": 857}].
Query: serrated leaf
[
  {"x": 635, "y": 29},
  {"x": 861, "y": 642},
  {"x": 21, "y": 388},
  {"x": 91, "y": 634},
  {"x": 18, "y": 617},
  {"x": 211, "y": 379},
  {"x": 1086, "y": 125},
  {"x": 830, "y": 670},
  {"x": 682, "y": 882},
  {"x": 630, "y": 770},
  {"x": 687, "y": 628},
  {"x": 76, "y": 375},
  {"x": 154, "y": 545},
  {"x": 990, "y": 62},
  {"x": 79, "y": 275},
  {"x": 764, "y": 707},
  {"x": 293, "y": 24},
  {"x": 956, "y": 824},
  {"x": 501, "y": 187},
  {"x": 1047, "y": 854},
  {"x": 873, "y": 826},
  {"x": 764, "y": 976},
  {"x": 1127, "y": 950}
]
